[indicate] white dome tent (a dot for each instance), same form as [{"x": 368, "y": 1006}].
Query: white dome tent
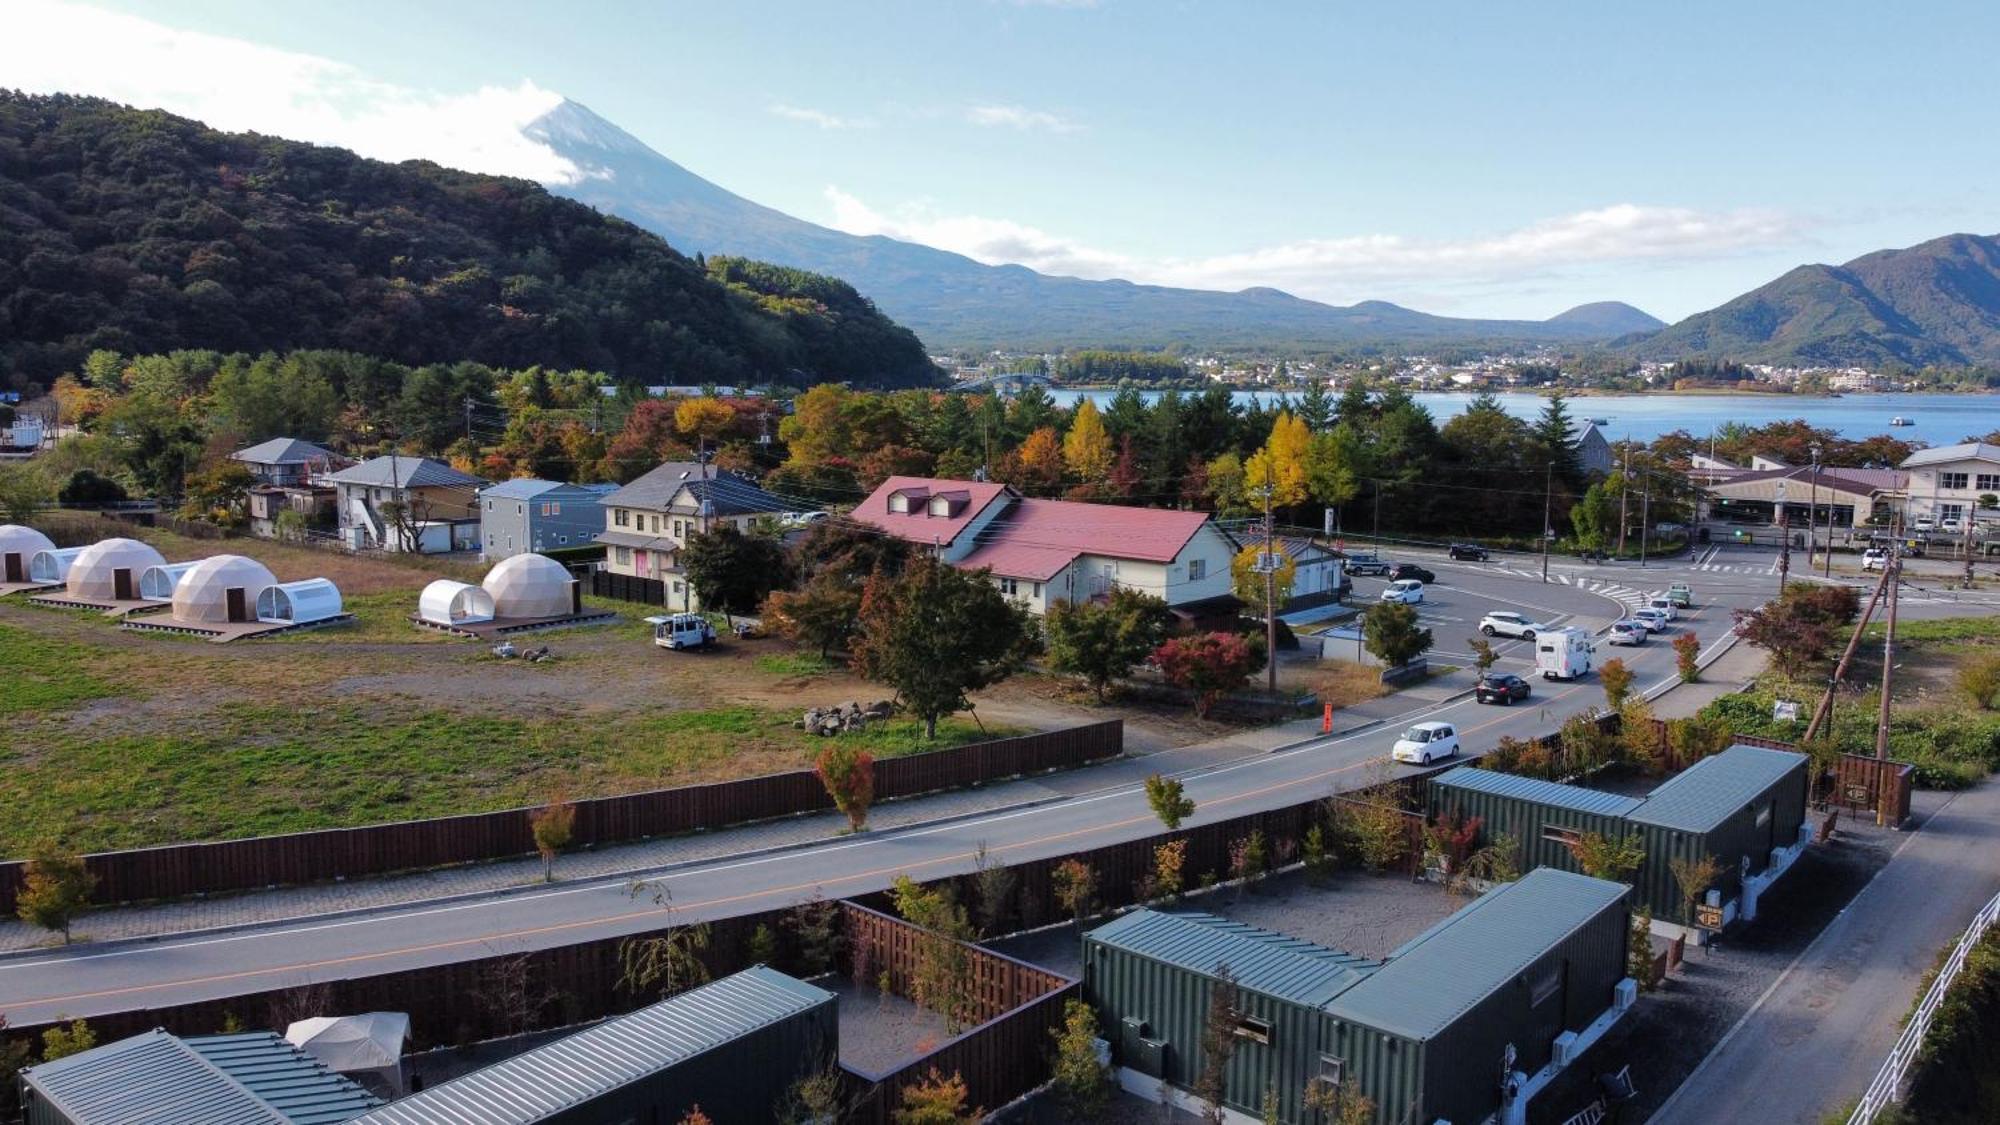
[
  {"x": 299, "y": 603},
  {"x": 221, "y": 590},
  {"x": 445, "y": 602},
  {"x": 530, "y": 585},
  {"x": 349, "y": 1044},
  {"x": 52, "y": 565},
  {"x": 157, "y": 583},
  {"x": 18, "y": 547},
  {"x": 109, "y": 570}
]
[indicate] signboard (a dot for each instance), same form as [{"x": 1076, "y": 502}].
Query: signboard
[
  {"x": 1268, "y": 562},
  {"x": 1708, "y": 917},
  {"x": 1785, "y": 711},
  {"x": 1858, "y": 795}
]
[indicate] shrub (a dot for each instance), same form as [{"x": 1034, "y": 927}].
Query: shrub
[
  {"x": 849, "y": 776},
  {"x": 1607, "y": 857},
  {"x": 1639, "y": 951},
  {"x": 1081, "y": 1083},
  {"x": 1616, "y": 677},
  {"x": 1169, "y": 802},
  {"x": 1075, "y": 886},
  {"x": 1319, "y": 864},
  {"x": 1449, "y": 838},
  {"x": 935, "y": 1100},
  {"x": 1978, "y": 676},
  {"x": 553, "y": 825},
  {"x": 1687, "y": 650},
  {"x": 59, "y": 1041},
  {"x": 55, "y": 887},
  {"x": 1170, "y": 868},
  {"x": 1376, "y": 830},
  {"x": 1208, "y": 666},
  {"x": 1249, "y": 857}
]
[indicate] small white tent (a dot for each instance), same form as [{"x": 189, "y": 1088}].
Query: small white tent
[
  {"x": 109, "y": 570},
  {"x": 157, "y": 583},
  {"x": 52, "y": 565},
  {"x": 222, "y": 589},
  {"x": 445, "y": 602},
  {"x": 530, "y": 585},
  {"x": 297, "y": 603},
  {"x": 18, "y": 547},
  {"x": 347, "y": 1044}
]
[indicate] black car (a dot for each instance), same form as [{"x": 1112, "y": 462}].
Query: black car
[
  {"x": 1412, "y": 570},
  {"x": 1500, "y": 687},
  {"x": 1469, "y": 551}
]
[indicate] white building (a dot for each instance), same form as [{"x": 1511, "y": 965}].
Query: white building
[{"x": 1947, "y": 483}]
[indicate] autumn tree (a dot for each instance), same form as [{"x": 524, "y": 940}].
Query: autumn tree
[
  {"x": 1617, "y": 677},
  {"x": 553, "y": 825},
  {"x": 1280, "y": 465},
  {"x": 1694, "y": 878},
  {"x": 1390, "y": 632},
  {"x": 848, "y": 772},
  {"x": 935, "y": 1100},
  {"x": 1074, "y": 884},
  {"x": 1249, "y": 582},
  {"x": 942, "y": 977},
  {"x": 1102, "y": 641},
  {"x": 1168, "y": 799},
  {"x": 1609, "y": 857},
  {"x": 936, "y": 634},
  {"x": 1218, "y": 1045},
  {"x": 1687, "y": 657},
  {"x": 731, "y": 571},
  {"x": 1086, "y": 448},
  {"x": 1207, "y": 665},
  {"x": 1801, "y": 626},
  {"x": 701, "y": 422},
  {"x": 1483, "y": 655},
  {"x": 1041, "y": 461},
  {"x": 1081, "y": 1083},
  {"x": 55, "y": 887}
]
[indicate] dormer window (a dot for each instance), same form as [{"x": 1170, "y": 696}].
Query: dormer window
[{"x": 908, "y": 501}]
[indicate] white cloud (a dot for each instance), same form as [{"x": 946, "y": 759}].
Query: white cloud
[
  {"x": 1345, "y": 269},
  {"x": 232, "y": 84},
  {"x": 1018, "y": 117},
  {"x": 820, "y": 118}
]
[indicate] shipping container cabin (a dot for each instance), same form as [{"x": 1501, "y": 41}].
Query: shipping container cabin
[
  {"x": 734, "y": 1046},
  {"x": 1422, "y": 1034},
  {"x": 1543, "y": 817},
  {"x": 1745, "y": 806},
  {"x": 254, "y": 1078}
]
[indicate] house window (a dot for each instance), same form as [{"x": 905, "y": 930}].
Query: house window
[
  {"x": 489, "y": 539},
  {"x": 1197, "y": 569},
  {"x": 1950, "y": 511},
  {"x": 622, "y": 555},
  {"x": 621, "y": 518},
  {"x": 1989, "y": 482},
  {"x": 1250, "y": 1027},
  {"x": 520, "y": 509},
  {"x": 564, "y": 539},
  {"x": 1038, "y": 589},
  {"x": 1009, "y": 587},
  {"x": 1951, "y": 480},
  {"x": 489, "y": 505},
  {"x": 1556, "y": 834},
  {"x": 677, "y": 587}
]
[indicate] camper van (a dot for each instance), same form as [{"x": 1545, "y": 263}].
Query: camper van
[
  {"x": 682, "y": 630},
  {"x": 1563, "y": 654}
]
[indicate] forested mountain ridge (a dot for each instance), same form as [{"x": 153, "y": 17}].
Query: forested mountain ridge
[
  {"x": 138, "y": 231},
  {"x": 1937, "y": 302},
  {"x": 956, "y": 302}
]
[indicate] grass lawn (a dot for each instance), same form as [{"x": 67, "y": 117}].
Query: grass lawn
[
  {"x": 45, "y": 674},
  {"x": 1950, "y": 631}
]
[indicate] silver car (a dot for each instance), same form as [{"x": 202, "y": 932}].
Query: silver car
[{"x": 1627, "y": 633}]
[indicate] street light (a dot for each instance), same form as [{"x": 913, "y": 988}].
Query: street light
[
  {"x": 1548, "y": 516},
  {"x": 1784, "y": 539}
]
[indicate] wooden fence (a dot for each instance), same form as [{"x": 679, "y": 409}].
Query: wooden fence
[
  {"x": 173, "y": 870},
  {"x": 628, "y": 588},
  {"x": 1860, "y": 781}
]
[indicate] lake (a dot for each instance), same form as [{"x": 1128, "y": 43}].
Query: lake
[{"x": 1940, "y": 419}]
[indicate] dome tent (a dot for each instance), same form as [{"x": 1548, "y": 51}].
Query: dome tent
[
  {"x": 297, "y": 603},
  {"x": 18, "y": 547},
  {"x": 52, "y": 565},
  {"x": 531, "y": 586},
  {"x": 445, "y": 602},
  {"x": 109, "y": 570},
  {"x": 156, "y": 583},
  {"x": 221, "y": 589}
]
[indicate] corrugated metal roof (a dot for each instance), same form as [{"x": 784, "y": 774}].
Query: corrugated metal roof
[
  {"x": 294, "y": 1083},
  {"x": 1535, "y": 789},
  {"x": 398, "y": 471},
  {"x": 1945, "y": 454},
  {"x": 282, "y": 451},
  {"x": 1262, "y": 961},
  {"x": 220, "y": 1080},
  {"x": 920, "y": 526},
  {"x": 1710, "y": 791},
  {"x": 730, "y": 494},
  {"x": 572, "y": 1070},
  {"x": 1434, "y": 979},
  {"x": 1020, "y": 560}
]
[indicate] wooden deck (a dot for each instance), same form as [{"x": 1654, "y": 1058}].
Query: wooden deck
[
  {"x": 222, "y": 633},
  {"x": 514, "y": 626},
  {"x": 7, "y": 588},
  {"x": 109, "y": 607}
]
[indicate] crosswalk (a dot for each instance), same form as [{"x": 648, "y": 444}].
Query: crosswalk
[
  {"x": 1617, "y": 591},
  {"x": 1736, "y": 568}
]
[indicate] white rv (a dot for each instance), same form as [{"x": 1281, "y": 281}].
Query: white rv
[{"x": 1563, "y": 654}]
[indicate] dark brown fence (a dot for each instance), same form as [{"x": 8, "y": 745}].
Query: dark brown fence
[
  {"x": 1859, "y": 781},
  {"x": 628, "y": 588},
  {"x": 174, "y": 870}
]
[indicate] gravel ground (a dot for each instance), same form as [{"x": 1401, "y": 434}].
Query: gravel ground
[
  {"x": 880, "y": 1032},
  {"x": 1674, "y": 1027}
]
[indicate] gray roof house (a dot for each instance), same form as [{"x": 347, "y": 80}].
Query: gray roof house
[
  {"x": 442, "y": 505},
  {"x": 1421, "y": 1033},
  {"x": 648, "y": 521},
  {"x": 527, "y": 514},
  {"x": 1593, "y": 451},
  {"x": 250, "y": 1079},
  {"x": 288, "y": 461}
]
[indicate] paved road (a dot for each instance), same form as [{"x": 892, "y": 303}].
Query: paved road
[
  {"x": 86, "y": 981},
  {"x": 1813, "y": 1042}
]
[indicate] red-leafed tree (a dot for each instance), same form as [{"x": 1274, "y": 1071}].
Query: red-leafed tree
[
  {"x": 1801, "y": 627},
  {"x": 849, "y": 776},
  {"x": 1207, "y": 665}
]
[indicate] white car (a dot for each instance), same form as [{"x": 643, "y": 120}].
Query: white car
[
  {"x": 1652, "y": 619},
  {"x": 1627, "y": 633},
  {"x": 1874, "y": 558},
  {"x": 1425, "y": 743},
  {"x": 1505, "y": 623},
  {"x": 1951, "y": 524},
  {"x": 1665, "y": 605},
  {"x": 1925, "y": 523},
  {"x": 1409, "y": 591}
]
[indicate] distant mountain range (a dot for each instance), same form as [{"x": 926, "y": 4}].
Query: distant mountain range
[
  {"x": 1934, "y": 303},
  {"x": 953, "y": 301}
]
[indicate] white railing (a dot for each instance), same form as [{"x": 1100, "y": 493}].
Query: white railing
[{"x": 1888, "y": 1084}]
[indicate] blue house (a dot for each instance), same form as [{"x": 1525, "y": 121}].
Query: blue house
[{"x": 523, "y": 515}]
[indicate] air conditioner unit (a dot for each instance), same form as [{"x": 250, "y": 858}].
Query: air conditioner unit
[
  {"x": 1566, "y": 1049},
  {"x": 1625, "y": 994}
]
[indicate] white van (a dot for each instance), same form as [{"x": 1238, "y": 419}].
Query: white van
[
  {"x": 682, "y": 631},
  {"x": 1563, "y": 654}
]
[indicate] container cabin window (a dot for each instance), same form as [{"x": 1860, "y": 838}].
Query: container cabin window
[
  {"x": 1556, "y": 834},
  {"x": 1547, "y": 982},
  {"x": 1332, "y": 1070},
  {"x": 1252, "y": 1028},
  {"x": 1763, "y": 815}
]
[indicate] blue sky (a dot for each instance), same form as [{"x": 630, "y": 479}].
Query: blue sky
[{"x": 1467, "y": 158}]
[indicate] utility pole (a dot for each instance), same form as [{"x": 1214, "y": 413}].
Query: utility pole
[
  {"x": 1624, "y": 490},
  {"x": 468, "y": 417},
  {"x": 1645, "y": 522},
  {"x": 1269, "y": 565},
  {"x": 1894, "y": 577},
  {"x": 1812, "y": 516},
  {"x": 1972, "y": 510},
  {"x": 1784, "y": 540},
  {"x": 1548, "y": 515},
  {"x": 1823, "y": 714}
]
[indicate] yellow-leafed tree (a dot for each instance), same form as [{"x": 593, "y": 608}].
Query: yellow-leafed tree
[
  {"x": 1087, "y": 446},
  {"x": 1281, "y": 464},
  {"x": 703, "y": 419}
]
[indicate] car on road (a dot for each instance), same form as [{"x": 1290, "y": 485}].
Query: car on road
[
  {"x": 1500, "y": 687},
  {"x": 1412, "y": 570},
  {"x": 1366, "y": 562},
  {"x": 1665, "y": 605},
  {"x": 1506, "y": 623},
  {"x": 1469, "y": 552},
  {"x": 1627, "y": 632},
  {"x": 1409, "y": 591},
  {"x": 1426, "y": 743},
  {"x": 1874, "y": 558},
  {"x": 1653, "y": 619},
  {"x": 1681, "y": 594}
]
